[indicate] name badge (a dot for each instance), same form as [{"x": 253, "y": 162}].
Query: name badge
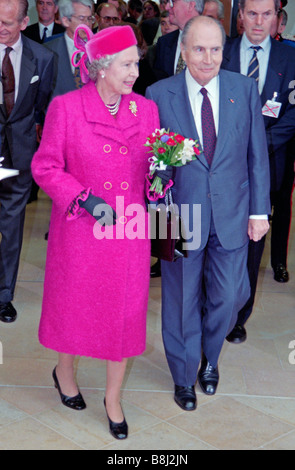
[{"x": 272, "y": 107}]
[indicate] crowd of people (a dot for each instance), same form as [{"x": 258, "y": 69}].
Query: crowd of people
[{"x": 83, "y": 88}]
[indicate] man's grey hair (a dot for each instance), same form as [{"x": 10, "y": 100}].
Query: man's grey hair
[
  {"x": 199, "y": 5},
  {"x": 196, "y": 19},
  {"x": 277, "y": 4},
  {"x": 66, "y": 7},
  {"x": 220, "y": 11}
]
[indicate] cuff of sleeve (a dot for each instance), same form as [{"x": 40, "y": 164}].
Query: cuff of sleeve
[
  {"x": 74, "y": 211},
  {"x": 259, "y": 217}
]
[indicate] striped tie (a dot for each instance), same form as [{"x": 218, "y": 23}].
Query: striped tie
[{"x": 253, "y": 70}]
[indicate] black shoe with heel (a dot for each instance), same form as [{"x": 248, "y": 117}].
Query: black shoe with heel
[
  {"x": 117, "y": 430},
  {"x": 75, "y": 403}
]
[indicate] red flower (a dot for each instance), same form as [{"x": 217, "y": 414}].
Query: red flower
[
  {"x": 197, "y": 151},
  {"x": 171, "y": 142},
  {"x": 179, "y": 138},
  {"x": 161, "y": 150},
  {"x": 152, "y": 139}
]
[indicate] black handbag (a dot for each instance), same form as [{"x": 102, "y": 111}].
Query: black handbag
[{"x": 167, "y": 237}]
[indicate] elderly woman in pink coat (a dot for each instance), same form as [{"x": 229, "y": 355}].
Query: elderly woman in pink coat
[{"x": 92, "y": 163}]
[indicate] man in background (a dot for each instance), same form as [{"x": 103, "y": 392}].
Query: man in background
[
  {"x": 46, "y": 26},
  {"x": 215, "y": 9},
  {"x": 168, "y": 58},
  {"x": 27, "y": 75},
  {"x": 72, "y": 14},
  {"x": 272, "y": 65}
]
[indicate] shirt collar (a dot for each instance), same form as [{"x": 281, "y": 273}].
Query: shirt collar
[
  {"x": 194, "y": 87},
  {"x": 16, "y": 46},
  {"x": 246, "y": 44},
  {"x": 49, "y": 27}
]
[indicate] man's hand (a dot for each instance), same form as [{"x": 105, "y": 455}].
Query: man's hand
[{"x": 257, "y": 228}]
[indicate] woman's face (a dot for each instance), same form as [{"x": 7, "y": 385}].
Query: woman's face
[
  {"x": 121, "y": 75},
  {"x": 148, "y": 11}
]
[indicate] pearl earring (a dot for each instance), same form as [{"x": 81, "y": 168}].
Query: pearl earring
[{"x": 102, "y": 75}]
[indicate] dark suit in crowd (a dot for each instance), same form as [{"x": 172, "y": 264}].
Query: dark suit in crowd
[
  {"x": 279, "y": 133},
  {"x": 64, "y": 77},
  {"x": 165, "y": 55},
  {"x": 32, "y": 32},
  {"x": 18, "y": 144}
]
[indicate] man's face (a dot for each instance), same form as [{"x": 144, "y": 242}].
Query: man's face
[
  {"x": 46, "y": 10},
  {"x": 108, "y": 17},
  {"x": 180, "y": 12},
  {"x": 211, "y": 9},
  {"x": 203, "y": 51},
  {"x": 10, "y": 26},
  {"x": 82, "y": 15},
  {"x": 258, "y": 17},
  {"x": 166, "y": 26}
]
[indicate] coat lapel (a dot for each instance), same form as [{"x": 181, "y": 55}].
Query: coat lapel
[
  {"x": 228, "y": 97},
  {"x": 121, "y": 128},
  {"x": 274, "y": 77},
  {"x": 27, "y": 72}
]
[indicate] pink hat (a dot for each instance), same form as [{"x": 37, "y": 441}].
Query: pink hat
[{"x": 108, "y": 41}]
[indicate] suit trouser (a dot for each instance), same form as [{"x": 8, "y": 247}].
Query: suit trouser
[
  {"x": 281, "y": 219},
  {"x": 280, "y": 227},
  {"x": 14, "y": 194},
  {"x": 201, "y": 296}
]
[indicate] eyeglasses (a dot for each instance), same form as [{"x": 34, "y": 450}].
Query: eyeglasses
[
  {"x": 171, "y": 3},
  {"x": 84, "y": 19},
  {"x": 108, "y": 19}
]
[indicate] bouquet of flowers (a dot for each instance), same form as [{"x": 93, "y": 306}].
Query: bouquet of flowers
[{"x": 168, "y": 149}]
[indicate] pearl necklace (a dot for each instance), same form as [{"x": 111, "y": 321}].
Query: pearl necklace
[{"x": 113, "y": 108}]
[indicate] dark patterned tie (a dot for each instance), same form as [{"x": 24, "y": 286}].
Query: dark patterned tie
[
  {"x": 44, "y": 37},
  {"x": 77, "y": 74},
  {"x": 253, "y": 70},
  {"x": 180, "y": 65},
  {"x": 8, "y": 82},
  {"x": 208, "y": 127}
]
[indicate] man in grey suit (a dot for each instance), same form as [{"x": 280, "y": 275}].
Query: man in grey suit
[
  {"x": 72, "y": 13},
  {"x": 230, "y": 180},
  {"x": 27, "y": 74}
]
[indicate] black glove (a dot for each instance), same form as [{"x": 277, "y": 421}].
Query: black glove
[
  {"x": 100, "y": 210},
  {"x": 165, "y": 175}
]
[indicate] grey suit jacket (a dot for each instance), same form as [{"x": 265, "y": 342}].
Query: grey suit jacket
[
  {"x": 237, "y": 183},
  {"x": 64, "y": 79},
  {"x": 35, "y": 86}
]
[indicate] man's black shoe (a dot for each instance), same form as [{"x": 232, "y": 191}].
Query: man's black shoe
[{"x": 7, "y": 312}]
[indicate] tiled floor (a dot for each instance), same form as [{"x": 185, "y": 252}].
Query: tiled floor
[{"x": 253, "y": 409}]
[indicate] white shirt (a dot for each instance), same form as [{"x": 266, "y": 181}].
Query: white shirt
[
  {"x": 196, "y": 99},
  {"x": 16, "y": 58},
  {"x": 246, "y": 54},
  {"x": 71, "y": 49},
  {"x": 48, "y": 32}
]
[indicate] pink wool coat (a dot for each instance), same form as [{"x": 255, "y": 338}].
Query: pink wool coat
[{"x": 95, "y": 290}]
